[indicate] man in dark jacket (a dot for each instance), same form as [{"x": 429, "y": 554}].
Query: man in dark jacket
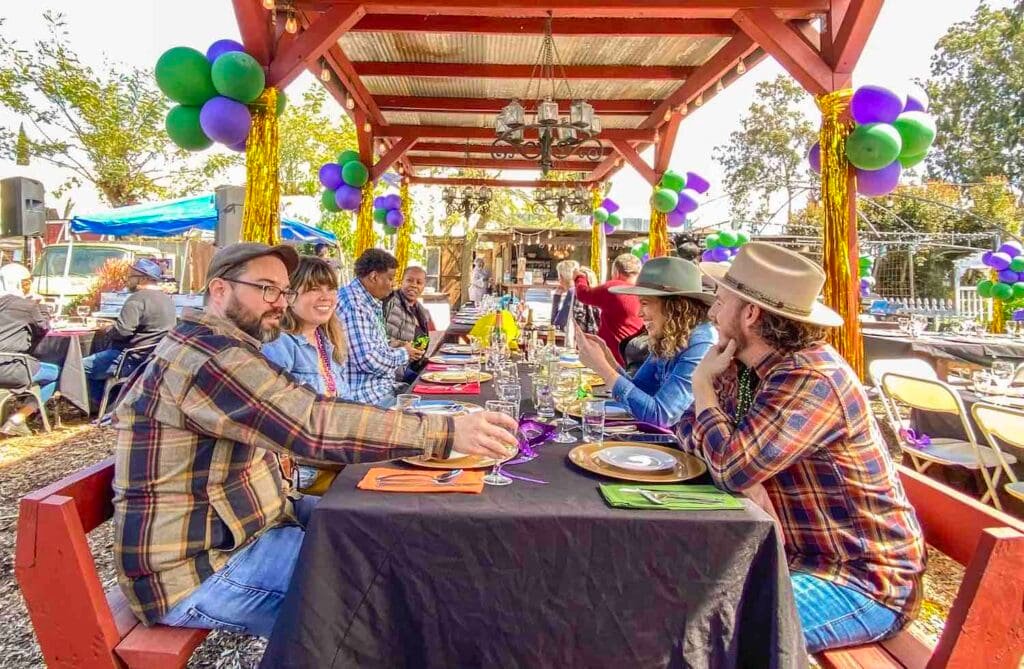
[{"x": 408, "y": 321}]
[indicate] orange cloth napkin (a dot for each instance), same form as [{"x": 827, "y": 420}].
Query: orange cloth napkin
[
  {"x": 467, "y": 481},
  {"x": 441, "y": 389}
]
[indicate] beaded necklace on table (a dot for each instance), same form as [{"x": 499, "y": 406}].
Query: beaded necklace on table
[
  {"x": 746, "y": 382},
  {"x": 325, "y": 364}
]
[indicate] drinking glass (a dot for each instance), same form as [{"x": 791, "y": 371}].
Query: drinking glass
[
  {"x": 495, "y": 477},
  {"x": 407, "y": 401},
  {"x": 82, "y": 311},
  {"x": 544, "y": 396},
  {"x": 1002, "y": 375},
  {"x": 593, "y": 421},
  {"x": 567, "y": 384},
  {"x": 904, "y": 324},
  {"x": 511, "y": 391},
  {"x": 472, "y": 369}
]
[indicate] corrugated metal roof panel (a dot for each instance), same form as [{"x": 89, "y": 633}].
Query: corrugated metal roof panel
[
  {"x": 485, "y": 120},
  {"x": 590, "y": 89}
]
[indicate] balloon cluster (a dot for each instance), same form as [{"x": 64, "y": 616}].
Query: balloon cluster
[
  {"x": 387, "y": 209},
  {"x": 642, "y": 250},
  {"x": 676, "y": 195},
  {"x": 213, "y": 92},
  {"x": 1018, "y": 315},
  {"x": 606, "y": 215},
  {"x": 343, "y": 181},
  {"x": 867, "y": 282},
  {"x": 1008, "y": 262},
  {"x": 723, "y": 246},
  {"x": 893, "y": 133}
]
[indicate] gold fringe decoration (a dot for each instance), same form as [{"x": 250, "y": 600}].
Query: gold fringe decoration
[
  {"x": 838, "y": 259},
  {"x": 997, "y": 325},
  {"x": 404, "y": 233},
  {"x": 364, "y": 221},
  {"x": 596, "y": 234},
  {"x": 659, "y": 234},
  {"x": 261, "y": 217}
]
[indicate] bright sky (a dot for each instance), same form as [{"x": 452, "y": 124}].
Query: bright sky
[{"x": 138, "y": 31}]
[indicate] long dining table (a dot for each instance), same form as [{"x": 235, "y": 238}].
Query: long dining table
[{"x": 533, "y": 575}]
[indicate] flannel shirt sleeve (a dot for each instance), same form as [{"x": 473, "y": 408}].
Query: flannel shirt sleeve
[
  {"x": 369, "y": 352},
  {"x": 238, "y": 395},
  {"x": 794, "y": 412}
]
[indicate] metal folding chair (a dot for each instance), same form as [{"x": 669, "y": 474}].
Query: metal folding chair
[
  {"x": 140, "y": 353},
  {"x": 33, "y": 389},
  {"x": 1006, "y": 424},
  {"x": 907, "y": 366}
]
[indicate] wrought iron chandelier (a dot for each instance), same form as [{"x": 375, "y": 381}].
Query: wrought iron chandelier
[
  {"x": 562, "y": 200},
  {"x": 558, "y": 137},
  {"x": 466, "y": 200}
]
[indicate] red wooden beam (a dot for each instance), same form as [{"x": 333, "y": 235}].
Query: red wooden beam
[
  {"x": 518, "y": 71},
  {"x": 626, "y": 150},
  {"x": 849, "y": 41},
  {"x": 451, "y": 147},
  {"x": 493, "y": 183},
  {"x": 468, "y": 132},
  {"x": 495, "y": 105},
  {"x": 392, "y": 156},
  {"x": 670, "y": 9},
  {"x": 342, "y": 69},
  {"x": 364, "y": 136},
  {"x": 496, "y": 164},
  {"x": 666, "y": 142},
  {"x": 254, "y": 26},
  {"x": 783, "y": 43},
  {"x": 482, "y": 25},
  {"x": 307, "y": 47}
]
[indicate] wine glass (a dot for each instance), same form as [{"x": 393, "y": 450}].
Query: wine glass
[
  {"x": 82, "y": 311},
  {"x": 567, "y": 385},
  {"x": 472, "y": 370},
  {"x": 1002, "y": 375},
  {"x": 495, "y": 477}
]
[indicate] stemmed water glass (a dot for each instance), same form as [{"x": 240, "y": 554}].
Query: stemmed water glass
[
  {"x": 1002, "y": 375},
  {"x": 495, "y": 477},
  {"x": 567, "y": 384}
]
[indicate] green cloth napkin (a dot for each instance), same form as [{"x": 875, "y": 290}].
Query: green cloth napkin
[{"x": 615, "y": 496}]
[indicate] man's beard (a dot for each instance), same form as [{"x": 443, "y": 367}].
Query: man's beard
[
  {"x": 133, "y": 284},
  {"x": 251, "y": 324}
]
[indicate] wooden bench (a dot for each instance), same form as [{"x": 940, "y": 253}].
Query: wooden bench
[
  {"x": 985, "y": 627},
  {"x": 77, "y": 623}
]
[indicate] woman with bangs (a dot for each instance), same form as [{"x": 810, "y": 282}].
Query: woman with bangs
[
  {"x": 674, "y": 309},
  {"x": 312, "y": 347}
]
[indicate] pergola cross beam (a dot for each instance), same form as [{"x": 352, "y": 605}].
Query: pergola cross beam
[
  {"x": 782, "y": 42},
  {"x": 305, "y": 49},
  {"x": 632, "y": 156}
]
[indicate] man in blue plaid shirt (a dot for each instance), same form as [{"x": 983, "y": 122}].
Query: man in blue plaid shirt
[{"x": 372, "y": 362}]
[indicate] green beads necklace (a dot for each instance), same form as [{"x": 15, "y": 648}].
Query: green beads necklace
[{"x": 746, "y": 381}]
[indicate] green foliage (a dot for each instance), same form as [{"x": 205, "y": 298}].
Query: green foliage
[
  {"x": 22, "y": 152},
  {"x": 310, "y": 138}
]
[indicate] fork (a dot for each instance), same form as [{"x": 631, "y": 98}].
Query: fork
[{"x": 660, "y": 497}]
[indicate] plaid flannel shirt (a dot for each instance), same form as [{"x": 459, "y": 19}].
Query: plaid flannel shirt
[
  {"x": 371, "y": 364},
  {"x": 197, "y": 473},
  {"x": 811, "y": 439}
]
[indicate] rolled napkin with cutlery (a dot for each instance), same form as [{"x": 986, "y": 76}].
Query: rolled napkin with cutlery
[{"x": 388, "y": 479}]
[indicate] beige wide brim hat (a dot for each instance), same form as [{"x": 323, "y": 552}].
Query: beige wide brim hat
[
  {"x": 777, "y": 280},
  {"x": 665, "y": 277}
]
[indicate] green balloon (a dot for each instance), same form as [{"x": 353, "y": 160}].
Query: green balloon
[
  {"x": 1017, "y": 264},
  {"x": 601, "y": 214},
  {"x": 354, "y": 173},
  {"x": 673, "y": 181},
  {"x": 380, "y": 215},
  {"x": 390, "y": 230},
  {"x": 184, "y": 130},
  {"x": 614, "y": 220},
  {"x": 910, "y": 161},
  {"x": 984, "y": 288},
  {"x": 282, "y": 102},
  {"x": 665, "y": 200},
  {"x": 1018, "y": 290},
  {"x": 873, "y": 146},
  {"x": 1002, "y": 291},
  {"x": 741, "y": 239},
  {"x": 238, "y": 76},
  {"x": 713, "y": 241},
  {"x": 328, "y": 202},
  {"x": 727, "y": 239},
  {"x": 347, "y": 156},
  {"x": 183, "y": 74},
  {"x": 917, "y": 131}
]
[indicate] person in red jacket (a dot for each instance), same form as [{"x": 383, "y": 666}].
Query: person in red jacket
[{"x": 620, "y": 314}]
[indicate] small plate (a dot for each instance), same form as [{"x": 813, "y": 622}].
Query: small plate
[
  {"x": 636, "y": 458},
  {"x": 454, "y": 378},
  {"x": 445, "y": 408},
  {"x": 687, "y": 467},
  {"x": 458, "y": 461}
]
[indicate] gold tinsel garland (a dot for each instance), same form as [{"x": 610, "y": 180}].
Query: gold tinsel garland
[
  {"x": 364, "y": 221},
  {"x": 596, "y": 234},
  {"x": 997, "y": 325},
  {"x": 659, "y": 234},
  {"x": 840, "y": 279},
  {"x": 404, "y": 233},
  {"x": 261, "y": 217}
]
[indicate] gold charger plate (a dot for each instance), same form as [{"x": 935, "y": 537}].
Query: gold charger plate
[
  {"x": 689, "y": 466},
  {"x": 464, "y": 462},
  {"x": 454, "y": 378}
]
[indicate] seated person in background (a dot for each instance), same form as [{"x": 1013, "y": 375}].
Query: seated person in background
[
  {"x": 147, "y": 315},
  {"x": 312, "y": 349},
  {"x": 775, "y": 405},
  {"x": 564, "y": 302},
  {"x": 206, "y": 531},
  {"x": 675, "y": 313},
  {"x": 620, "y": 314},
  {"x": 372, "y": 363},
  {"x": 22, "y": 325},
  {"x": 323, "y": 251},
  {"x": 407, "y": 321}
]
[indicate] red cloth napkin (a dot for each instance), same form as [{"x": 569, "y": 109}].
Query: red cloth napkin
[
  {"x": 440, "y": 389},
  {"x": 442, "y": 367}
]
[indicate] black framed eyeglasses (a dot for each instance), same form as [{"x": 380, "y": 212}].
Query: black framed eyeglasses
[{"x": 270, "y": 293}]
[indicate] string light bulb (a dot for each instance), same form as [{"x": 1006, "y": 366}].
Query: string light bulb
[
  {"x": 269, "y": 5},
  {"x": 700, "y": 100},
  {"x": 291, "y": 24},
  {"x": 349, "y": 102},
  {"x": 719, "y": 87},
  {"x": 367, "y": 127},
  {"x": 741, "y": 68},
  {"x": 325, "y": 72}
]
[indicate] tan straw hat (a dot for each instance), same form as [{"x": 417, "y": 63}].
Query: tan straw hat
[{"x": 777, "y": 280}]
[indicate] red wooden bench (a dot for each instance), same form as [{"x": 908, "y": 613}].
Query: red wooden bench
[
  {"x": 985, "y": 627},
  {"x": 77, "y": 623}
]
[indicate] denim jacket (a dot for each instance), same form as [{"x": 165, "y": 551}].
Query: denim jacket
[
  {"x": 661, "y": 390},
  {"x": 295, "y": 355}
]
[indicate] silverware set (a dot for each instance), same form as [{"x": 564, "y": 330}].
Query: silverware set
[
  {"x": 663, "y": 497},
  {"x": 447, "y": 478}
]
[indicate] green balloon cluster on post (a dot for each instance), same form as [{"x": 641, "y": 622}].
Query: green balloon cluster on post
[
  {"x": 213, "y": 92},
  {"x": 1008, "y": 263},
  {"x": 607, "y": 216},
  {"x": 642, "y": 250},
  {"x": 343, "y": 182},
  {"x": 865, "y": 264},
  {"x": 677, "y": 196},
  {"x": 722, "y": 246},
  {"x": 893, "y": 132},
  {"x": 387, "y": 210}
]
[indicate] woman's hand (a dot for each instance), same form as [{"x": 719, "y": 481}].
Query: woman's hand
[{"x": 594, "y": 354}]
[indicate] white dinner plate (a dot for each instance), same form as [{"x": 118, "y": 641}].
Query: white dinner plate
[{"x": 636, "y": 458}]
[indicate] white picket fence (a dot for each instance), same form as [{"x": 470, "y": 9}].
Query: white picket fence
[{"x": 971, "y": 305}]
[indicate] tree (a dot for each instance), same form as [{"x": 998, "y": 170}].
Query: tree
[
  {"x": 21, "y": 149},
  {"x": 765, "y": 157},
  {"x": 105, "y": 128},
  {"x": 977, "y": 93}
]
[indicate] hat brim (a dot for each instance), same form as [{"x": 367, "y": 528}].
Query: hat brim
[
  {"x": 642, "y": 291},
  {"x": 820, "y": 314},
  {"x": 138, "y": 272}
]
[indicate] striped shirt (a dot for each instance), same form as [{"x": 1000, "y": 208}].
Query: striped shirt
[
  {"x": 371, "y": 364},
  {"x": 197, "y": 473},
  {"x": 811, "y": 439}
]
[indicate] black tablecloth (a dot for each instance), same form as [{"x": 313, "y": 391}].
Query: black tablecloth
[
  {"x": 533, "y": 576},
  {"x": 979, "y": 351},
  {"x": 67, "y": 351}
]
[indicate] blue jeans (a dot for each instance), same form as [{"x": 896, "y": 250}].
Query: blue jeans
[
  {"x": 834, "y": 616},
  {"x": 245, "y": 596},
  {"x": 46, "y": 377},
  {"x": 98, "y": 367}
]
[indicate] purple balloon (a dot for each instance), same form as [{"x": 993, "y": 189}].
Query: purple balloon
[
  {"x": 378, "y": 202},
  {"x": 917, "y": 99},
  {"x": 221, "y": 47},
  {"x": 876, "y": 104},
  {"x": 392, "y": 201},
  {"x": 240, "y": 147},
  {"x": 676, "y": 219},
  {"x": 330, "y": 176},
  {"x": 1018, "y": 315},
  {"x": 687, "y": 201},
  {"x": 610, "y": 205},
  {"x": 874, "y": 183},
  {"x": 1008, "y": 276},
  {"x": 814, "y": 157},
  {"x": 708, "y": 256},
  {"x": 719, "y": 254},
  {"x": 647, "y": 256},
  {"x": 696, "y": 182},
  {"x": 986, "y": 258},
  {"x": 225, "y": 121},
  {"x": 347, "y": 197},
  {"x": 1000, "y": 261},
  {"x": 1012, "y": 249},
  {"x": 395, "y": 218},
  {"x": 608, "y": 229}
]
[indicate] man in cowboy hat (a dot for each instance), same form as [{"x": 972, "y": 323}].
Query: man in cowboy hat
[{"x": 775, "y": 405}]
